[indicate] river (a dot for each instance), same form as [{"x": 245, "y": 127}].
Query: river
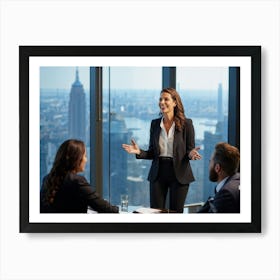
[{"x": 141, "y": 128}]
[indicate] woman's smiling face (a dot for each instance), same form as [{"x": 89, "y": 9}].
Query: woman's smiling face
[{"x": 166, "y": 103}]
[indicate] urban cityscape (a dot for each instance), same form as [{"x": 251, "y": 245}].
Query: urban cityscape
[{"x": 127, "y": 113}]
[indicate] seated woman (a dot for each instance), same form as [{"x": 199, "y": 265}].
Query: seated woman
[{"x": 64, "y": 191}]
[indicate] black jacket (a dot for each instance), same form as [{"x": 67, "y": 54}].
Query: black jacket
[
  {"x": 182, "y": 145},
  {"x": 74, "y": 196},
  {"x": 226, "y": 200}
]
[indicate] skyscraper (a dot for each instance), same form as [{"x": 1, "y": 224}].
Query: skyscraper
[
  {"x": 210, "y": 141},
  {"x": 77, "y": 111},
  {"x": 220, "y": 116},
  {"x": 115, "y": 170}
]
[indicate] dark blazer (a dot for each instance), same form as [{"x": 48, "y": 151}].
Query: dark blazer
[
  {"x": 74, "y": 196},
  {"x": 183, "y": 144},
  {"x": 226, "y": 200}
]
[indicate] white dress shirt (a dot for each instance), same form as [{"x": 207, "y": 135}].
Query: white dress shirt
[
  {"x": 166, "y": 140},
  {"x": 221, "y": 184}
]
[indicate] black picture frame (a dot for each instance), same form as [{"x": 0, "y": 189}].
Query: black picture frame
[{"x": 252, "y": 52}]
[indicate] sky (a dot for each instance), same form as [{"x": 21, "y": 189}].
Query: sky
[
  {"x": 203, "y": 78},
  {"x": 62, "y": 77}
]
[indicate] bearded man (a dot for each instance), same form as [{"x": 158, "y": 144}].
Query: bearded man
[{"x": 223, "y": 169}]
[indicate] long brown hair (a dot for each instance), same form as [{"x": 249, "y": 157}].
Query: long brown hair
[
  {"x": 179, "y": 112},
  {"x": 68, "y": 159}
]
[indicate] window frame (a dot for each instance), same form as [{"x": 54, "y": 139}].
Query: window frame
[{"x": 32, "y": 221}]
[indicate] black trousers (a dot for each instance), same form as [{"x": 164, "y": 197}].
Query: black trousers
[{"x": 167, "y": 181}]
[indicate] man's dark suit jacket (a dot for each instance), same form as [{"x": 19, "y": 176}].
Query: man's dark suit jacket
[
  {"x": 183, "y": 144},
  {"x": 74, "y": 196},
  {"x": 226, "y": 200}
]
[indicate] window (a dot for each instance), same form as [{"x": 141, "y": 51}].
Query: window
[
  {"x": 204, "y": 92},
  {"x": 64, "y": 112},
  {"x": 130, "y": 102},
  {"x": 108, "y": 106}
]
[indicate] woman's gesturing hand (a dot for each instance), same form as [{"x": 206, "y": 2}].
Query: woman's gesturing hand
[
  {"x": 131, "y": 149},
  {"x": 194, "y": 154}
]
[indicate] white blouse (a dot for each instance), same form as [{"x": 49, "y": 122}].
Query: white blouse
[{"x": 166, "y": 140}]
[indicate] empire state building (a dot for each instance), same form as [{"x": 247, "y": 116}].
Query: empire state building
[{"x": 76, "y": 111}]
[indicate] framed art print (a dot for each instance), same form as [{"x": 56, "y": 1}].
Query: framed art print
[{"x": 107, "y": 96}]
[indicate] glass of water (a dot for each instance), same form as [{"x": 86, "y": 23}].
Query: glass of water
[{"x": 124, "y": 203}]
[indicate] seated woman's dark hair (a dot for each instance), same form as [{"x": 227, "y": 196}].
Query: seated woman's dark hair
[{"x": 68, "y": 159}]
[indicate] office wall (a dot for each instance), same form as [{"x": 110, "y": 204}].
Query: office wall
[{"x": 138, "y": 256}]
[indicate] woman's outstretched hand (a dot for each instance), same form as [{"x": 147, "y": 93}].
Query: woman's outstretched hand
[
  {"x": 131, "y": 149},
  {"x": 194, "y": 154}
]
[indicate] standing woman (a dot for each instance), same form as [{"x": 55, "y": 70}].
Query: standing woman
[
  {"x": 171, "y": 147},
  {"x": 64, "y": 191}
]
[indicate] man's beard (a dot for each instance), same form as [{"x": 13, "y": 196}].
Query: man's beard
[{"x": 213, "y": 176}]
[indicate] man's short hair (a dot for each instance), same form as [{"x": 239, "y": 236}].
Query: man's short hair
[{"x": 228, "y": 157}]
